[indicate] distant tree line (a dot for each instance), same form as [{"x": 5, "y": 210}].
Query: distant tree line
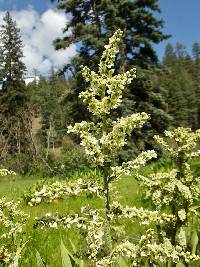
[{"x": 181, "y": 78}]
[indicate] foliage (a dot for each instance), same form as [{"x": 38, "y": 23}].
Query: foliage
[
  {"x": 12, "y": 222},
  {"x": 45, "y": 98},
  {"x": 73, "y": 158},
  {"x": 93, "y": 22},
  {"x": 62, "y": 161},
  {"x": 67, "y": 258},
  {"x": 20, "y": 164},
  {"x": 40, "y": 262}
]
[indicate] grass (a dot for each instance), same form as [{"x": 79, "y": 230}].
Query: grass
[{"x": 47, "y": 242}]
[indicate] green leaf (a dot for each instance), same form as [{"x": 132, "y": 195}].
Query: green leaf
[
  {"x": 40, "y": 261},
  {"x": 73, "y": 246},
  {"x": 65, "y": 256},
  {"x": 122, "y": 262},
  {"x": 194, "y": 241},
  {"x": 180, "y": 264},
  {"x": 81, "y": 263}
]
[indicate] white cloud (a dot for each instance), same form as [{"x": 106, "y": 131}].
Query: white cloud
[{"x": 38, "y": 33}]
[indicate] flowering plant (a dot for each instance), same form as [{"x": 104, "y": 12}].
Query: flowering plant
[
  {"x": 12, "y": 222},
  {"x": 102, "y": 140},
  {"x": 52, "y": 191},
  {"x": 5, "y": 172},
  {"x": 178, "y": 189},
  {"x": 147, "y": 250}
]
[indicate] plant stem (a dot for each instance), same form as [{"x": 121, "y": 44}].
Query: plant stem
[
  {"x": 107, "y": 234},
  {"x": 107, "y": 196}
]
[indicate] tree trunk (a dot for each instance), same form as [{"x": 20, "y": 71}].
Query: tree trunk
[
  {"x": 48, "y": 140},
  {"x": 18, "y": 136},
  {"x": 107, "y": 196},
  {"x": 96, "y": 16},
  {"x": 123, "y": 56}
]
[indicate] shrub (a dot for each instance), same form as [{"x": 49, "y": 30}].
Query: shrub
[{"x": 17, "y": 162}]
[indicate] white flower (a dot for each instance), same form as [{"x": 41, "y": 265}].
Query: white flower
[{"x": 182, "y": 215}]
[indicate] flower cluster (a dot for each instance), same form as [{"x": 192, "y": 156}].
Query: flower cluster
[
  {"x": 53, "y": 191},
  {"x": 128, "y": 167},
  {"x": 12, "y": 222},
  {"x": 180, "y": 141},
  {"x": 105, "y": 91},
  {"x": 57, "y": 220},
  {"x": 161, "y": 187},
  {"x": 178, "y": 190},
  {"x": 101, "y": 146},
  {"x": 5, "y": 172},
  {"x": 144, "y": 216},
  {"x": 148, "y": 250},
  {"x": 177, "y": 186},
  {"x": 103, "y": 140}
]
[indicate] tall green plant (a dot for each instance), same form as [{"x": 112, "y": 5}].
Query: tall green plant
[{"x": 103, "y": 140}]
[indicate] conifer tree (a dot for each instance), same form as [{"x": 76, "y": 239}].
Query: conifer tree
[
  {"x": 15, "y": 120},
  {"x": 196, "y": 77},
  {"x": 196, "y": 50},
  {"x": 170, "y": 55},
  {"x": 182, "y": 101}
]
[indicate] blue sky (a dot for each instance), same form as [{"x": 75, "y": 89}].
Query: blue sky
[
  {"x": 40, "y": 5},
  {"x": 182, "y": 20},
  {"x": 181, "y": 17},
  {"x": 40, "y": 24}
]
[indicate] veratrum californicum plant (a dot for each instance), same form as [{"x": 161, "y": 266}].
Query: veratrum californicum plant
[{"x": 102, "y": 140}]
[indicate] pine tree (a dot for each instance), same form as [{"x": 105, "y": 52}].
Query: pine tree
[
  {"x": 196, "y": 50},
  {"x": 92, "y": 23},
  {"x": 15, "y": 121},
  {"x": 170, "y": 55},
  {"x": 196, "y": 77},
  {"x": 182, "y": 101}
]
